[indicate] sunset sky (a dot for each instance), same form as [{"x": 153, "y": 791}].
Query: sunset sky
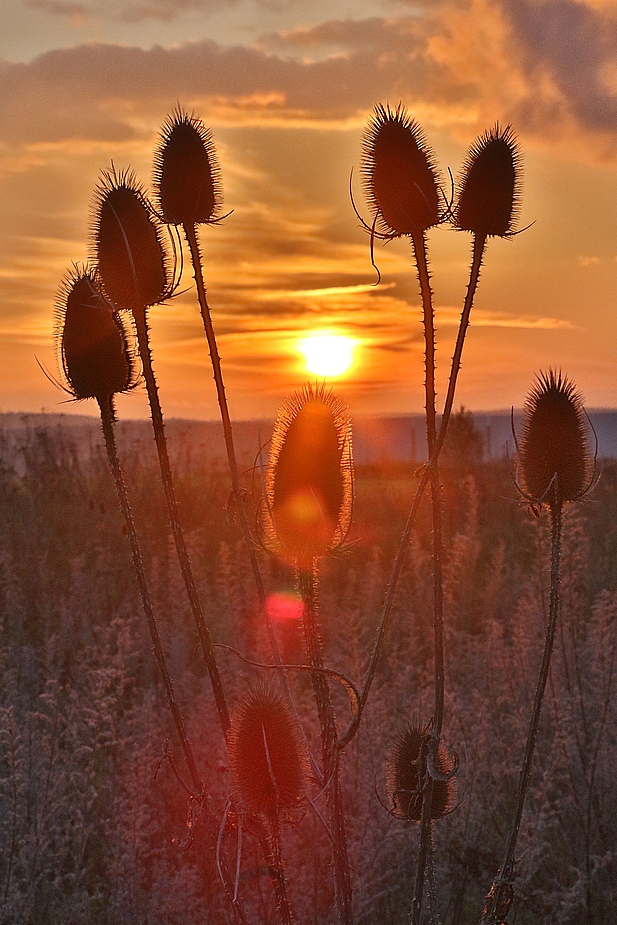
[{"x": 287, "y": 87}]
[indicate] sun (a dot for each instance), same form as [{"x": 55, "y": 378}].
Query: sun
[{"x": 328, "y": 355}]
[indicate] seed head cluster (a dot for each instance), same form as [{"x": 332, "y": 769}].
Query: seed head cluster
[
  {"x": 400, "y": 178},
  {"x": 489, "y": 189},
  {"x": 309, "y": 481},
  {"x": 187, "y": 175},
  {"x": 554, "y": 460},
  {"x": 406, "y": 771},
  {"x": 265, "y": 753},
  {"x": 92, "y": 346},
  {"x": 127, "y": 241}
]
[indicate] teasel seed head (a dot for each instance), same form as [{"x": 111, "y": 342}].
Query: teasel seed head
[
  {"x": 406, "y": 770},
  {"x": 266, "y": 756},
  {"x": 555, "y": 464},
  {"x": 400, "y": 177},
  {"x": 490, "y": 185},
  {"x": 133, "y": 263},
  {"x": 187, "y": 175},
  {"x": 93, "y": 350},
  {"x": 309, "y": 479}
]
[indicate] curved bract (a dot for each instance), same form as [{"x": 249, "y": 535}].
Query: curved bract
[
  {"x": 309, "y": 480},
  {"x": 187, "y": 175},
  {"x": 92, "y": 346},
  {"x": 400, "y": 177}
]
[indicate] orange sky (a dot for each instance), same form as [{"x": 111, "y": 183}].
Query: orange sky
[{"x": 287, "y": 88}]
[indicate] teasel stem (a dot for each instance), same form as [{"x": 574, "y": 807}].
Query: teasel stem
[
  {"x": 426, "y": 475},
  {"x": 503, "y": 882},
  {"x": 172, "y": 509},
  {"x": 190, "y": 232},
  {"x": 419, "y": 247},
  {"x": 307, "y": 583},
  {"x": 107, "y": 417},
  {"x": 273, "y": 855}
]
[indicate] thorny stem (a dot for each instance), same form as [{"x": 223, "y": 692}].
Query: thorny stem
[
  {"x": 502, "y": 885},
  {"x": 419, "y": 247},
  {"x": 107, "y": 418},
  {"x": 478, "y": 251},
  {"x": 172, "y": 509},
  {"x": 106, "y": 409},
  {"x": 307, "y": 581},
  {"x": 273, "y": 854}
]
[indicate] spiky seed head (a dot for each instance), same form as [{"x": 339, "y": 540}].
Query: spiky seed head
[
  {"x": 490, "y": 185},
  {"x": 309, "y": 479},
  {"x": 92, "y": 346},
  {"x": 399, "y": 174},
  {"x": 266, "y": 756},
  {"x": 187, "y": 175},
  {"x": 554, "y": 459},
  {"x": 406, "y": 770},
  {"x": 127, "y": 239}
]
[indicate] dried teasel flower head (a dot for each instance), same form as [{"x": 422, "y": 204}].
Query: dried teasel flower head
[
  {"x": 309, "y": 479},
  {"x": 406, "y": 769},
  {"x": 187, "y": 175},
  {"x": 399, "y": 174},
  {"x": 266, "y": 756},
  {"x": 490, "y": 185},
  {"x": 554, "y": 459},
  {"x": 93, "y": 352},
  {"x": 133, "y": 263}
]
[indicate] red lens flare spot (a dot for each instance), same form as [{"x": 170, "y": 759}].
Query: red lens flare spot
[{"x": 284, "y": 607}]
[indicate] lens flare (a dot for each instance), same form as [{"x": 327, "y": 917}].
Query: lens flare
[{"x": 328, "y": 355}]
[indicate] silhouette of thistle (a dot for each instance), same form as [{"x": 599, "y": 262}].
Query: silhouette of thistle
[
  {"x": 555, "y": 467},
  {"x": 407, "y": 769},
  {"x": 135, "y": 271},
  {"x": 306, "y": 514},
  {"x": 269, "y": 770},
  {"x": 188, "y": 184},
  {"x": 97, "y": 363}
]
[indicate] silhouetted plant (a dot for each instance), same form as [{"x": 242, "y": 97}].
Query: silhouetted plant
[
  {"x": 306, "y": 513},
  {"x": 406, "y": 770},
  {"x": 556, "y": 467},
  {"x": 269, "y": 771},
  {"x": 135, "y": 270}
]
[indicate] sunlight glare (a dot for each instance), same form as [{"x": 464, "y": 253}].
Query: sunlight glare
[{"x": 328, "y": 355}]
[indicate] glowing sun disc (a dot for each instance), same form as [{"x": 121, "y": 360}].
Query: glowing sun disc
[{"x": 328, "y": 355}]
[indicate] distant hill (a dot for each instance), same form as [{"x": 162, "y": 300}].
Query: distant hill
[{"x": 377, "y": 439}]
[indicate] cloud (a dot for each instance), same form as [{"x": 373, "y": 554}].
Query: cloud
[{"x": 136, "y": 11}]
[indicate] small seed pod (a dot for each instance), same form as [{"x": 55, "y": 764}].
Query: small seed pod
[
  {"x": 133, "y": 263},
  {"x": 406, "y": 770},
  {"x": 92, "y": 346},
  {"x": 187, "y": 175},
  {"x": 489, "y": 188},
  {"x": 309, "y": 480},
  {"x": 555, "y": 464},
  {"x": 266, "y": 755},
  {"x": 400, "y": 178}
]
